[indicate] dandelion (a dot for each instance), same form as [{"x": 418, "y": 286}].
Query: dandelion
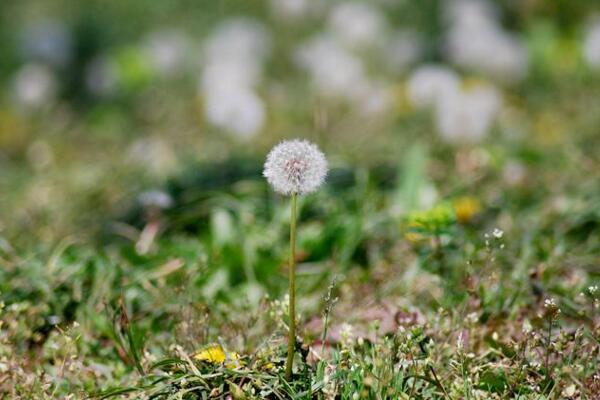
[
  {"x": 294, "y": 167},
  {"x": 234, "y": 55},
  {"x": 292, "y": 10},
  {"x": 35, "y": 85},
  {"x": 466, "y": 115},
  {"x": 214, "y": 354},
  {"x": 357, "y": 24},
  {"x": 430, "y": 82},
  {"x": 476, "y": 40},
  {"x": 591, "y": 45},
  {"x": 466, "y": 208}
]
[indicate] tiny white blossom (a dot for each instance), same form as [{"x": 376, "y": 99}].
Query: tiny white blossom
[
  {"x": 295, "y": 166},
  {"x": 550, "y": 303},
  {"x": 498, "y": 233}
]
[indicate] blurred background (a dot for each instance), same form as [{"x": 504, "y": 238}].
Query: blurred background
[
  {"x": 132, "y": 139},
  {"x": 110, "y": 108}
]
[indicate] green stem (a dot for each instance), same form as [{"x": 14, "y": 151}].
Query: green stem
[{"x": 292, "y": 293}]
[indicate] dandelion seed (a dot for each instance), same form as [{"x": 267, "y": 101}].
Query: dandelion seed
[{"x": 295, "y": 167}]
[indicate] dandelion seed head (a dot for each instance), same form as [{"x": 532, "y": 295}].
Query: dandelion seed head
[{"x": 295, "y": 166}]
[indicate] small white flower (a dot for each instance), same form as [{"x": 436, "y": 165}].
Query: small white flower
[
  {"x": 550, "y": 303},
  {"x": 295, "y": 166},
  {"x": 498, "y": 233}
]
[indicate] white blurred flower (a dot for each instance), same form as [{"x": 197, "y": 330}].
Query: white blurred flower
[
  {"x": 221, "y": 75},
  {"x": 292, "y": 9},
  {"x": 295, "y": 166},
  {"x": 167, "y": 51},
  {"x": 334, "y": 71},
  {"x": 514, "y": 173},
  {"x": 239, "y": 111},
  {"x": 357, "y": 24},
  {"x": 47, "y": 41},
  {"x": 591, "y": 46},
  {"x": 234, "y": 55},
  {"x": 374, "y": 98},
  {"x": 238, "y": 40},
  {"x": 476, "y": 40},
  {"x": 429, "y": 83},
  {"x": 154, "y": 155},
  {"x": 101, "y": 76},
  {"x": 34, "y": 85},
  {"x": 467, "y": 115},
  {"x": 337, "y": 73},
  {"x": 155, "y": 199},
  {"x": 402, "y": 49}
]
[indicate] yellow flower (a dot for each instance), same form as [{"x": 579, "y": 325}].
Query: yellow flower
[
  {"x": 215, "y": 354},
  {"x": 466, "y": 208},
  {"x": 212, "y": 353},
  {"x": 411, "y": 233}
]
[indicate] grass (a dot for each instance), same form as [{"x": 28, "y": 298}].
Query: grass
[{"x": 426, "y": 306}]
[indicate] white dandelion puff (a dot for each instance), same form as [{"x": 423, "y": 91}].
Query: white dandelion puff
[
  {"x": 357, "y": 24},
  {"x": 295, "y": 167},
  {"x": 429, "y": 83},
  {"x": 591, "y": 45}
]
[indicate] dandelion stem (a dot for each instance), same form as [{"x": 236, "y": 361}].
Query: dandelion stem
[{"x": 292, "y": 292}]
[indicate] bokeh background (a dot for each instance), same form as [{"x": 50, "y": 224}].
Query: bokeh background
[
  {"x": 103, "y": 100},
  {"x": 132, "y": 138}
]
